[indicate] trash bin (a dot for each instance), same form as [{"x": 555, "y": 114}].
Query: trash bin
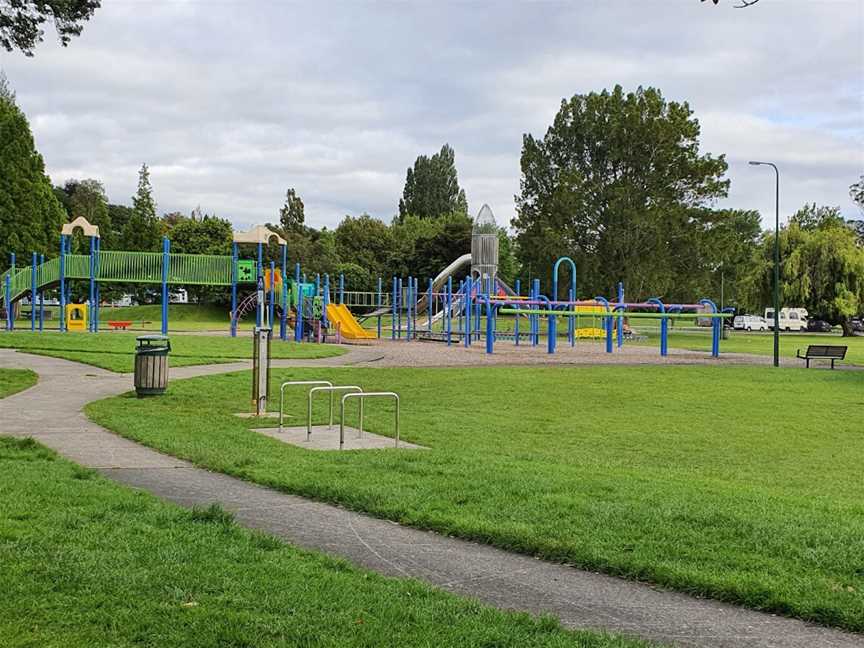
[{"x": 151, "y": 365}]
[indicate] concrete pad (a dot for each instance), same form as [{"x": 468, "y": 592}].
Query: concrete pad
[{"x": 324, "y": 438}]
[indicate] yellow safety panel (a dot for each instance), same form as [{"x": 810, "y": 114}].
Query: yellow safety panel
[{"x": 76, "y": 317}]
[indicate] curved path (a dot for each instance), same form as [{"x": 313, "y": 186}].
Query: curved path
[{"x": 51, "y": 413}]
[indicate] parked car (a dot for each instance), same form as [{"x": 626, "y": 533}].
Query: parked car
[
  {"x": 858, "y": 324},
  {"x": 791, "y": 319},
  {"x": 818, "y": 326},
  {"x": 750, "y": 323}
]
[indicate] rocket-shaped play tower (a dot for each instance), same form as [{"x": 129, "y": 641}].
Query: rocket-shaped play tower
[{"x": 484, "y": 247}]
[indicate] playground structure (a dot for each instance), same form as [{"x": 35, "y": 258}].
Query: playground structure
[{"x": 463, "y": 313}]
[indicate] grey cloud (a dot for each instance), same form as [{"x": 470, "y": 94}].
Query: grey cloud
[{"x": 231, "y": 103}]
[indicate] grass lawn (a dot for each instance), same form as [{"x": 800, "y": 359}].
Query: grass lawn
[
  {"x": 717, "y": 481},
  {"x": 88, "y": 563},
  {"x": 115, "y": 351},
  {"x": 13, "y": 381}
]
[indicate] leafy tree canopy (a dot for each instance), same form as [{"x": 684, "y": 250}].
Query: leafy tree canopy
[
  {"x": 30, "y": 214},
  {"x": 432, "y": 187},
  {"x": 292, "y": 216},
  {"x": 619, "y": 184},
  {"x": 21, "y": 21},
  {"x": 142, "y": 231}
]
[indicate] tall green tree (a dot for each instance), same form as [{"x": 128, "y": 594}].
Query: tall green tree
[
  {"x": 292, "y": 215},
  {"x": 202, "y": 234},
  {"x": 21, "y": 21},
  {"x": 142, "y": 231},
  {"x": 432, "y": 187},
  {"x": 364, "y": 241},
  {"x": 615, "y": 184},
  {"x": 87, "y": 198},
  {"x": 30, "y": 214}
]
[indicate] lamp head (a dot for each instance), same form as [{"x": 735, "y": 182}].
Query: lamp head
[{"x": 754, "y": 163}]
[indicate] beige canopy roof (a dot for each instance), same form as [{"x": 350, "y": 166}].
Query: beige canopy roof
[
  {"x": 82, "y": 224},
  {"x": 258, "y": 234}
]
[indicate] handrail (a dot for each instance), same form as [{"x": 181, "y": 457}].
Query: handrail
[
  {"x": 299, "y": 382},
  {"x": 362, "y": 396},
  {"x": 331, "y": 389}
]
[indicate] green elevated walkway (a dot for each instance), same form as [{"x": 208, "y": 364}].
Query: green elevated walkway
[{"x": 121, "y": 267}]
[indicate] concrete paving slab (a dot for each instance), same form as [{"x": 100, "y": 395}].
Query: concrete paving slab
[{"x": 327, "y": 438}]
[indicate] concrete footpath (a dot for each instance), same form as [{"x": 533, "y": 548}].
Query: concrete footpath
[{"x": 51, "y": 413}]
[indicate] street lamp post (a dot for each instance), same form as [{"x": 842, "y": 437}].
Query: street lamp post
[{"x": 776, "y": 260}]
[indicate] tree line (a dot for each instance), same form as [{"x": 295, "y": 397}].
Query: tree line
[{"x": 618, "y": 182}]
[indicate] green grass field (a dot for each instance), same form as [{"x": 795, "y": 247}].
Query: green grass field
[
  {"x": 87, "y": 563},
  {"x": 739, "y": 483},
  {"x": 13, "y": 381},
  {"x": 115, "y": 351}
]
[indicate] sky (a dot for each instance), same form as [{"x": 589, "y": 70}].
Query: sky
[{"x": 232, "y": 102}]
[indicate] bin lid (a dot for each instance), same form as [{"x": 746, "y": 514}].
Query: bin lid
[{"x": 153, "y": 341}]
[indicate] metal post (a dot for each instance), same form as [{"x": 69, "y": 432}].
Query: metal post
[
  {"x": 408, "y": 307},
  {"x": 92, "y": 297},
  {"x": 620, "y": 317},
  {"x": 97, "y": 309},
  {"x": 664, "y": 326},
  {"x": 326, "y": 299},
  {"x": 393, "y": 312},
  {"x": 341, "y": 288},
  {"x": 399, "y": 310},
  {"x": 429, "y": 304},
  {"x": 466, "y": 299},
  {"x": 490, "y": 331},
  {"x": 8, "y": 305},
  {"x": 448, "y": 305},
  {"x": 535, "y": 325},
  {"x": 271, "y": 291},
  {"x": 776, "y": 259},
  {"x": 414, "y": 295},
  {"x": 33, "y": 294},
  {"x": 283, "y": 320},
  {"x": 166, "y": 248},
  {"x": 42, "y": 299},
  {"x": 298, "y": 306},
  {"x": 259, "y": 274},
  {"x": 517, "y": 287},
  {"x": 378, "y": 308},
  {"x": 234, "y": 254},
  {"x": 571, "y": 322},
  {"x": 62, "y": 283}
]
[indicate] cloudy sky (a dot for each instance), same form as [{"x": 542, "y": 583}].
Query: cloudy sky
[{"x": 231, "y": 102}]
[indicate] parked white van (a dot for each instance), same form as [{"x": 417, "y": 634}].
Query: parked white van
[
  {"x": 791, "y": 319},
  {"x": 749, "y": 323}
]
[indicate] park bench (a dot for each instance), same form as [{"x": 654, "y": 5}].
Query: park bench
[
  {"x": 823, "y": 352},
  {"x": 119, "y": 324}
]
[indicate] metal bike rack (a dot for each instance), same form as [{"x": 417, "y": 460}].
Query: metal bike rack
[
  {"x": 331, "y": 389},
  {"x": 362, "y": 396},
  {"x": 300, "y": 382}
]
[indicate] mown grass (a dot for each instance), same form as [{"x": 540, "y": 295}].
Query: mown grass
[
  {"x": 739, "y": 483},
  {"x": 87, "y": 563},
  {"x": 13, "y": 381},
  {"x": 115, "y": 351}
]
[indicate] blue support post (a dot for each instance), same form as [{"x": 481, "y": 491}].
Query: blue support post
[
  {"x": 166, "y": 249},
  {"x": 8, "y": 289},
  {"x": 326, "y": 299},
  {"x": 41, "y": 299},
  {"x": 283, "y": 319},
  {"x": 234, "y": 255},
  {"x": 571, "y": 321},
  {"x": 607, "y": 322},
  {"x": 380, "y": 295},
  {"x": 535, "y": 319},
  {"x": 408, "y": 308},
  {"x": 490, "y": 326},
  {"x": 271, "y": 292},
  {"x": 341, "y": 288},
  {"x": 33, "y": 294},
  {"x": 448, "y": 304},
  {"x": 97, "y": 309},
  {"x": 466, "y": 298},
  {"x": 298, "y": 304},
  {"x": 62, "y": 283},
  {"x": 621, "y": 317},
  {"x": 393, "y": 312},
  {"x": 459, "y": 326},
  {"x": 715, "y": 329},
  {"x": 92, "y": 297},
  {"x": 429, "y": 305},
  {"x": 517, "y": 288},
  {"x": 401, "y": 305},
  {"x": 414, "y": 294},
  {"x": 258, "y": 276}
]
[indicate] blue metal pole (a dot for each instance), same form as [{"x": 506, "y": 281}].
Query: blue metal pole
[
  {"x": 490, "y": 329},
  {"x": 448, "y": 304},
  {"x": 468, "y": 310},
  {"x": 62, "y": 283},
  {"x": 408, "y": 307},
  {"x": 571, "y": 323},
  {"x": 33, "y": 294},
  {"x": 380, "y": 295},
  {"x": 326, "y": 298},
  {"x": 166, "y": 248},
  {"x": 620, "y": 317},
  {"x": 429, "y": 304},
  {"x": 341, "y": 288},
  {"x": 715, "y": 330},
  {"x": 283, "y": 320},
  {"x": 8, "y": 299},
  {"x": 664, "y": 326},
  {"x": 414, "y": 295},
  {"x": 260, "y": 273},
  {"x": 401, "y": 304},
  {"x": 234, "y": 255},
  {"x": 96, "y": 309},
  {"x": 271, "y": 290},
  {"x": 92, "y": 282},
  {"x": 393, "y": 312},
  {"x": 517, "y": 287},
  {"x": 42, "y": 299},
  {"x": 535, "y": 325},
  {"x": 298, "y": 304}
]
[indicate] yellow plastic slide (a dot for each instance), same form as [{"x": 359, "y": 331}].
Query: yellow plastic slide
[{"x": 339, "y": 315}]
